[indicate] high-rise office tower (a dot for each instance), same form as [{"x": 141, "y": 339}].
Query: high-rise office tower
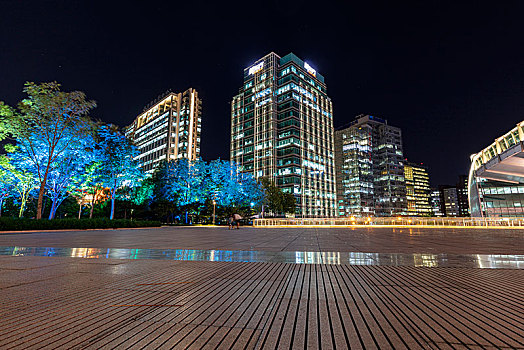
[
  {"x": 282, "y": 129},
  {"x": 169, "y": 128},
  {"x": 354, "y": 171},
  {"x": 369, "y": 142},
  {"x": 417, "y": 190},
  {"x": 449, "y": 200},
  {"x": 454, "y": 199},
  {"x": 462, "y": 195},
  {"x": 435, "y": 203}
]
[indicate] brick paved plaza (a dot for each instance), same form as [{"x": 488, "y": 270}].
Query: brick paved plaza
[{"x": 252, "y": 288}]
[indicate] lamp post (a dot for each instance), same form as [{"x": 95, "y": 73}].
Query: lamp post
[{"x": 214, "y": 203}]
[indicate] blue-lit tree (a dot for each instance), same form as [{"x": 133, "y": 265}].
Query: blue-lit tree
[
  {"x": 77, "y": 153},
  {"x": 230, "y": 187},
  {"x": 54, "y": 118},
  {"x": 250, "y": 191},
  {"x": 20, "y": 170},
  {"x": 185, "y": 182},
  {"x": 72, "y": 164},
  {"x": 118, "y": 167},
  {"x": 218, "y": 182}
]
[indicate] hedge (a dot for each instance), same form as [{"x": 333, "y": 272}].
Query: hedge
[{"x": 16, "y": 224}]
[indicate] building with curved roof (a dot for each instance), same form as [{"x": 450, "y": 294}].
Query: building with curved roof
[{"x": 496, "y": 177}]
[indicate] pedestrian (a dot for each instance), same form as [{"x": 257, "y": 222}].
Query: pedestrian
[
  {"x": 237, "y": 218},
  {"x": 231, "y": 221}
]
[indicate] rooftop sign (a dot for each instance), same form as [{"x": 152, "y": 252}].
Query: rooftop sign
[
  {"x": 310, "y": 69},
  {"x": 256, "y": 68}
]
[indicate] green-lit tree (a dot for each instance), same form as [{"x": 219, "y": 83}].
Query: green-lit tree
[
  {"x": 276, "y": 200},
  {"x": 6, "y": 183},
  {"x": 9, "y": 121}
]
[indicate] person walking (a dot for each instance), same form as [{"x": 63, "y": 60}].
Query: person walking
[{"x": 237, "y": 218}]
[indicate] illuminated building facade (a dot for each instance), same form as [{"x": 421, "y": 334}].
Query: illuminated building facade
[
  {"x": 435, "y": 203},
  {"x": 282, "y": 129},
  {"x": 496, "y": 177},
  {"x": 449, "y": 201},
  {"x": 417, "y": 190},
  {"x": 454, "y": 199},
  {"x": 168, "y": 129},
  {"x": 354, "y": 171},
  {"x": 371, "y": 168},
  {"x": 462, "y": 195}
]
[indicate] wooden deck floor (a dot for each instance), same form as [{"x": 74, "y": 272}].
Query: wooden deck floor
[{"x": 59, "y": 302}]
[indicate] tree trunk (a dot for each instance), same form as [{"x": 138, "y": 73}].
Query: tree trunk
[
  {"x": 93, "y": 200},
  {"x": 112, "y": 209},
  {"x": 79, "y": 211},
  {"x": 41, "y": 195},
  {"x": 22, "y": 206},
  {"x": 44, "y": 202},
  {"x": 54, "y": 205}
]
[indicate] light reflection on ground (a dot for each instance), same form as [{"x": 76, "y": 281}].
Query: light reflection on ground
[{"x": 326, "y": 258}]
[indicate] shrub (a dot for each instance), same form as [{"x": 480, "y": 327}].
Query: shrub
[{"x": 16, "y": 224}]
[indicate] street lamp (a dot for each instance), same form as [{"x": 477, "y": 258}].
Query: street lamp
[{"x": 214, "y": 203}]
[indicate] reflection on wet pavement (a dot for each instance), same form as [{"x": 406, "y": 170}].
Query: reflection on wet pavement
[{"x": 337, "y": 258}]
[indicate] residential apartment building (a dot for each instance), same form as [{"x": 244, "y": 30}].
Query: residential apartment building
[
  {"x": 369, "y": 143},
  {"x": 282, "y": 129},
  {"x": 169, "y": 128}
]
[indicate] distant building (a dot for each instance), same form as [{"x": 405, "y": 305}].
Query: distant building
[
  {"x": 370, "y": 168},
  {"x": 168, "y": 129},
  {"x": 282, "y": 129},
  {"x": 417, "y": 190},
  {"x": 436, "y": 203},
  {"x": 449, "y": 200},
  {"x": 454, "y": 199},
  {"x": 462, "y": 195},
  {"x": 496, "y": 177}
]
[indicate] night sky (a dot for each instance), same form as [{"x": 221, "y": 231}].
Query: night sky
[{"x": 450, "y": 75}]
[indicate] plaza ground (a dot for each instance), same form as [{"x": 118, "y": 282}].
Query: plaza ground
[{"x": 202, "y": 287}]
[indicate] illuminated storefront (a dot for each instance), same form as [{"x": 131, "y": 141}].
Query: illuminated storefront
[{"x": 282, "y": 129}]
